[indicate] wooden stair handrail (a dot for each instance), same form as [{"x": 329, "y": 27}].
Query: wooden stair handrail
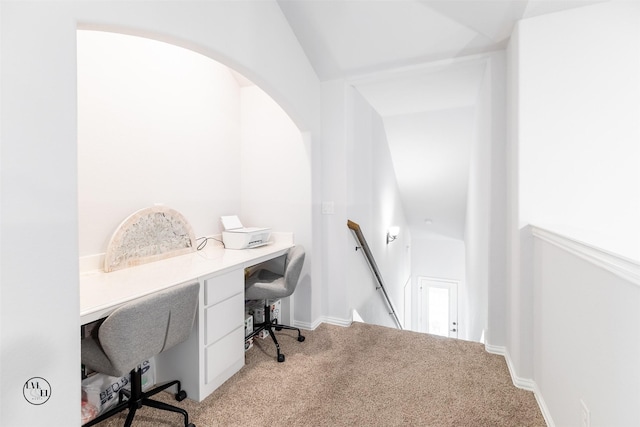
[{"x": 373, "y": 266}]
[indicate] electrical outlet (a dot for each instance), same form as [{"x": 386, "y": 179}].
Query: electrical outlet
[{"x": 585, "y": 415}]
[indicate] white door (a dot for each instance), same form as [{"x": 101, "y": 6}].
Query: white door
[{"x": 438, "y": 306}]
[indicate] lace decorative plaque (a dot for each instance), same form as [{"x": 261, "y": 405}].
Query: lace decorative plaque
[{"x": 148, "y": 235}]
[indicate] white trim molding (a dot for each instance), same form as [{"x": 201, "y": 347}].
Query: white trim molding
[
  {"x": 495, "y": 349},
  {"x": 620, "y": 266},
  {"x": 322, "y": 319},
  {"x": 522, "y": 383},
  {"x": 543, "y": 406}
]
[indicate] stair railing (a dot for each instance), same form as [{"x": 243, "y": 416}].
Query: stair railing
[{"x": 374, "y": 268}]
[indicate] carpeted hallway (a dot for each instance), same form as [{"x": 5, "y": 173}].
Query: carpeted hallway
[{"x": 363, "y": 375}]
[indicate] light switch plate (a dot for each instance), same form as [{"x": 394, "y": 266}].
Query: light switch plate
[{"x": 327, "y": 208}]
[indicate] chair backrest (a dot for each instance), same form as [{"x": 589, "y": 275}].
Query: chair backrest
[
  {"x": 148, "y": 326},
  {"x": 293, "y": 267}
]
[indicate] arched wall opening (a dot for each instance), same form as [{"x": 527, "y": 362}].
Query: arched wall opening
[
  {"x": 39, "y": 131},
  {"x": 158, "y": 123}
]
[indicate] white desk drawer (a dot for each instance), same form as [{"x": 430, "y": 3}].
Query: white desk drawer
[
  {"x": 224, "y": 353},
  {"x": 222, "y": 318},
  {"x": 219, "y": 288}
]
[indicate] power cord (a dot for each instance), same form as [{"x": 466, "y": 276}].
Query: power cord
[{"x": 202, "y": 244}]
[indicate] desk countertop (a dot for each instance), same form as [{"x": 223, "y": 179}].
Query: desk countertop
[{"x": 101, "y": 293}]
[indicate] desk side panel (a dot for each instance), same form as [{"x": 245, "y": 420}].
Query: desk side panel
[{"x": 178, "y": 362}]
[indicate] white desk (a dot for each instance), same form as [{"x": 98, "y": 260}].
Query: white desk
[{"x": 215, "y": 349}]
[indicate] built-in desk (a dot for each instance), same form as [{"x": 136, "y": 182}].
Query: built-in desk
[{"x": 215, "y": 349}]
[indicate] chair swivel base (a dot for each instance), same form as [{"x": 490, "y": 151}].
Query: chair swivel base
[
  {"x": 136, "y": 399},
  {"x": 269, "y": 325}
]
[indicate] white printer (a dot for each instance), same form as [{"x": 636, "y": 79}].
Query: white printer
[{"x": 235, "y": 236}]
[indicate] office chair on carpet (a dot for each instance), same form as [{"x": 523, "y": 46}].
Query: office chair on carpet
[
  {"x": 264, "y": 284},
  {"x": 136, "y": 332}
]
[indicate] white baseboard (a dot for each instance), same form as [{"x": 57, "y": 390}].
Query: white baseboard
[
  {"x": 305, "y": 325},
  {"x": 523, "y": 383},
  {"x": 322, "y": 319},
  {"x": 495, "y": 349},
  {"x": 543, "y": 406},
  {"x": 337, "y": 321},
  {"x": 516, "y": 380}
]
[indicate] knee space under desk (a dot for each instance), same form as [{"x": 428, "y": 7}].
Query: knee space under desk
[{"x": 215, "y": 349}]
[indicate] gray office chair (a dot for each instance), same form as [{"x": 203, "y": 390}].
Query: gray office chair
[
  {"x": 136, "y": 332},
  {"x": 264, "y": 284}
]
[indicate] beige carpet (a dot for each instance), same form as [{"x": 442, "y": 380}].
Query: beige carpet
[{"x": 363, "y": 375}]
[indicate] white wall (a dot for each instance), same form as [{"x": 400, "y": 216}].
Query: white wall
[
  {"x": 394, "y": 258},
  {"x": 485, "y": 238},
  {"x": 39, "y": 255},
  {"x": 438, "y": 257},
  {"x": 336, "y": 239},
  {"x": 156, "y": 124},
  {"x": 1, "y": 136},
  {"x": 275, "y": 172},
  {"x": 474, "y": 301},
  {"x": 586, "y": 338},
  {"x": 493, "y": 102},
  {"x": 39, "y": 212},
  {"x": 374, "y": 203},
  {"x": 516, "y": 338},
  {"x": 360, "y": 181},
  {"x": 573, "y": 155},
  {"x": 579, "y": 126},
  {"x": 474, "y": 298},
  {"x": 362, "y": 294},
  {"x": 159, "y": 123}
]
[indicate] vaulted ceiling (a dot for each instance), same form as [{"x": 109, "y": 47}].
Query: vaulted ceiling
[{"x": 418, "y": 63}]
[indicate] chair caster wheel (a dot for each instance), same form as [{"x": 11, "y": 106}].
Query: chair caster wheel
[
  {"x": 301, "y": 338},
  {"x": 281, "y": 358},
  {"x": 278, "y": 328},
  {"x": 191, "y": 425},
  {"x": 181, "y": 395}
]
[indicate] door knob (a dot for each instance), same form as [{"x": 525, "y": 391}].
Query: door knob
[{"x": 453, "y": 330}]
